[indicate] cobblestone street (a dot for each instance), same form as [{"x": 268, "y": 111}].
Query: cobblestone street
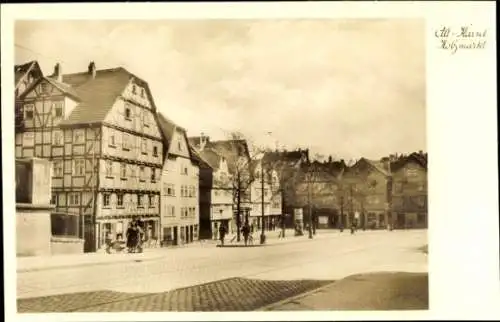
[
  {"x": 208, "y": 278},
  {"x": 234, "y": 294}
]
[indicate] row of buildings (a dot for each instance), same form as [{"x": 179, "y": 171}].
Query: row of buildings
[{"x": 115, "y": 159}]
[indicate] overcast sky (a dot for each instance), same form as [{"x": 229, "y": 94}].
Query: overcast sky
[{"x": 344, "y": 88}]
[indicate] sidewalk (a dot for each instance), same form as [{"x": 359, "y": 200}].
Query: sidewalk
[
  {"x": 373, "y": 291},
  {"x": 38, "y": 263}
]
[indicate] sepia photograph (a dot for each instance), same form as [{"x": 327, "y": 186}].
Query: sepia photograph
[
  {"x": 223, "y": 164},
  {"x": 220, "y": 165}
]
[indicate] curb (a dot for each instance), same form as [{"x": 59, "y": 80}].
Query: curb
[
  {"x": 135, "y": 259},
  {"x": 269, "y": 307},
  {"x": 48, "y": 268}
]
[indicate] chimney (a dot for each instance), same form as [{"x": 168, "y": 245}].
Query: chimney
[
  {"x": 57, "y": 73},
  {"x": 330, "y": 159},
  {"x": 203, "y": 141},
  {"x": 92, "y": 70}
]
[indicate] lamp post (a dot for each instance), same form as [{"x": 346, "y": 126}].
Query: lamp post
[{"x": 263, "y": 235}]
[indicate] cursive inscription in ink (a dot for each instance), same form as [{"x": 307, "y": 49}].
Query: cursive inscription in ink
[{"x": 462, "y": 38}]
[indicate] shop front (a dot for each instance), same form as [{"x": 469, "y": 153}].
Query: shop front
[{"x": 115, "y": 229}]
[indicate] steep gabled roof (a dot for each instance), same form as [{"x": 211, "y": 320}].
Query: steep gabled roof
[
  {"x": 98, "y": 94},
  {"x": 231, "y": 150},
  {"x": 20, "y": 71},
  {"x": 199, "y": 159},
  {"x": 420, "y": 159},
  {"x": 167, "y": 129},
  {"x": 376, "y": 165}
]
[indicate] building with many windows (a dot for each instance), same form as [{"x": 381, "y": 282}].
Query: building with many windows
[
  {"x": 100, "y": 131},
  {"x": 409, "y": 191},
  {"x": 179, "y": 186},
  {"x": 216, "y": 193}
]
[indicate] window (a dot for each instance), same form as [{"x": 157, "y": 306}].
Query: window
[
  {"x": 109, "y": 168},
  {"x": 144, "y": 146},
  {"x": 153, "y": 175},
  {"x": 155, "y": 151},
  {"x": 58, "y": 138},
  {"x": 106, "y": 199},
  {"x": 170, "y": 189},
  {"x": 44, "y": 88},
  {"x": 58, "y": 109},
  {"x": 134, "y": 89},
  {"x": 151, "y": 200},
  {"x": 28, "y": 111},
  {"x": 142, "y": 92},
  {"x": 112, "y": 141},
  {"x": 411, "y": 172},
  {"x": 53, "y": 199},
  {"x": 74, "y": 199},
  {"x": 125, "y": 141},
  {"x": 28, "y": 139},
  {"x": 79, "y": 167},
  {"x": 184, "y": 169},
  {"x": 139, "y": 200},
  {"x": 57, "y": 168},
  {"x": 179, "y": 145},
  {"x": 119, "y": 199},
  {"x": 142, "y": 173},
  {"x": 132, "y": 171},
  {"x": 123, "y": 170},
  {"x": 171, "y": 211},
  {"x": 78, "y": 136},
  {"x": 127, "y": 112}
]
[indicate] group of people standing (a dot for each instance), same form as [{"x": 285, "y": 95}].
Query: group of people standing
[
  {"x": 135, "y": 235},
  {"x": 246, "y": 231}
]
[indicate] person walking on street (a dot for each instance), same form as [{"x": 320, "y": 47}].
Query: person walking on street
[
  {"x": 246, "y": 232},
  {"x": 222, "y": 234},
  {"x": 353, "y": 227}
]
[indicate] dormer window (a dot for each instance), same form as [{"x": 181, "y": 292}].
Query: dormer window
[{"x": 142, "y": 92}]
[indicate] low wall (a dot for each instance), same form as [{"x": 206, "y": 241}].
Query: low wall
[
  {"x": 33, "y": 230},
  {"x": 66, "y": 245}
]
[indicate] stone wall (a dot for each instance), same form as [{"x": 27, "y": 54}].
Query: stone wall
[
  {"x": 66, "y": 245},
  {"x": 33, "y": 230}
]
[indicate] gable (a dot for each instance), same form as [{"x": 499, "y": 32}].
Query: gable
[
  {"x": 42, "y": 89},
  {"x": 131, "y": 112},
  {"x": 179, "y": 144}
]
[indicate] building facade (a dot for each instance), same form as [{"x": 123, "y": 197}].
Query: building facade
[
  {"x": 265, "y": 197},
  {"x": 409, "y": 191},
  {"x": 236, "y": 155},
  {"x": 99, "y": 130},
  {"x": 217, "y": 205},
  {"x": 180, "y": 187}
]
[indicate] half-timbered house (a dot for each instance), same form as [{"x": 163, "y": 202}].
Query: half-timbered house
[{"x": 100, "y": 130}]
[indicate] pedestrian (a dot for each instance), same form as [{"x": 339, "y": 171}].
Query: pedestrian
[
  {"x": 222, "y": 234},
  {"x": 108, "y": 241},
  {"x": 140, "y": 237},
  {"x": 215, "y": 231},
  {"x": 353, "y": 228},
  {"x": 246, "y": 232},
  {"x": 131, "y": 237}
]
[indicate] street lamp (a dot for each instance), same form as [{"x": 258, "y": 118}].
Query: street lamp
[{"x": 262, "y": 236}]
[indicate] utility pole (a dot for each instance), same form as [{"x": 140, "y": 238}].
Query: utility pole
[
  {"x": 238, "y": 205},
  {"x": 309, "y": 203},
  {"x": 262, "y": 236}
]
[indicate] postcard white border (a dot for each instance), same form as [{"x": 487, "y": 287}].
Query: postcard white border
[{"x": 461, "y": 135}]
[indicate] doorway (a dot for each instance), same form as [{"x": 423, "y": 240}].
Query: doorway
[{"x": 175, "y": 241}]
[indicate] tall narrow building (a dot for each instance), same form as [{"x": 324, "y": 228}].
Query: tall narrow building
[{"x": 100, "y": 131}]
